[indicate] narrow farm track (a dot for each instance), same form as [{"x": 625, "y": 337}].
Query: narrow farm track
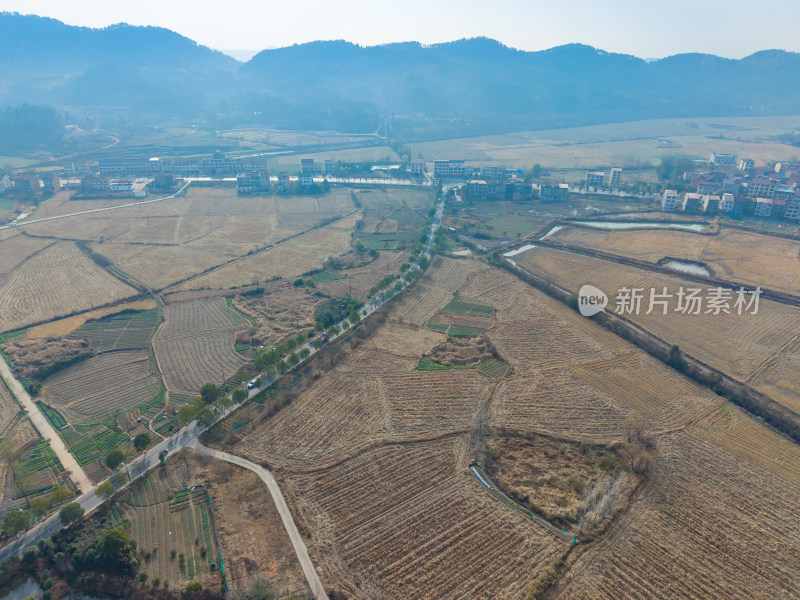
[
  {"x": 283, "y": 509},
  {"x": 46, "y": 430}
]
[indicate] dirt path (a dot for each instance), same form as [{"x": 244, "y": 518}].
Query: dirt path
[
  {"x": 46, "y": 430},
  {"x": 283, "y": 509}
]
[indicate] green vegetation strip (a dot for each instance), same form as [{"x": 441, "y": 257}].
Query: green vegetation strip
[{"x": 465, "y": 306}]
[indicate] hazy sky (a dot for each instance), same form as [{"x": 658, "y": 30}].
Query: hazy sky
[{"x": 646, "y": 28}]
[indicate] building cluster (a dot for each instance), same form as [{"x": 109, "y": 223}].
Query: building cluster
[
  {"x": 494, "y": 182},
  {"x": 31, "y": 184},
  {"x": 597, "y": 180},
  {"x": 737, "y": 187},
  {"x": 262, "y": 181}
]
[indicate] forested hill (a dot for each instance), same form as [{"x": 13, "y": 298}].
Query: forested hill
[{"x": 474, "y": 85}]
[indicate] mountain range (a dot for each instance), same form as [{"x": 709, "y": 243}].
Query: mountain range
[{"x": 469, "y": 85}]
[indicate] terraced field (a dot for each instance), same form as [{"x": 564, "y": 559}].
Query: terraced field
[{"x": 195, "y": 344}]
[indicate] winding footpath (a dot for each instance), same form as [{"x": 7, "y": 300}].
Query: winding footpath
[{"x": 283, "y": 509}]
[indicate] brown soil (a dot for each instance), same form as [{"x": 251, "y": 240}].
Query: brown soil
[
  {"x": 29, "y": 355},
  {"x": 252, "y": 537}
]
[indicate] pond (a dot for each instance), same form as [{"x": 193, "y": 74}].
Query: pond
[
  {"x": 638, "y": 224},
  {"x": 687, "y": 267}
]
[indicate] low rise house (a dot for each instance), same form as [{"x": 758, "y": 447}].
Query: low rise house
[
  {"x": 763, "y": 207},
  {"x": 727, "y": 204},
  {"x": 493, "y": 171},
  {"x": 594, "y": 179},
  {"x": 252, "y": 183},
  {"x": 477, "y": 189},
  {"x": 5, "y": 183},
  {"x": 548, "y": 192},
  {"x": 746, "y": 164},
  {"x": 711, "y": 204},
  {"x": 95, "y": 183},
  {"x": 793, "y": 209},
  {"x": 417, "y": 166},
  {"x": 27, "y": 184},
  {"x": 759, "y": 187},
  {"x": 669, "y": 200},
  {"x": 722, "y": 158},
  {"x": 691, "y": 202}
]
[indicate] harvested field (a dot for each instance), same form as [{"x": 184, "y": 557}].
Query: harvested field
[
  {"x": 435, "y": 289},
  {"x": 357, "y": 282},
  {"x": 252, "y": 537},
  {"x": 412, "y": 523},
  {"x": 173, "y": 526},
  {"x": 55, "y": 282},
  {"x": 195, "y": 344},
  {"x": 764, "y": 342},
  {"x": 742, "y": 256},
  {"x": 356, "y": 447},
  {"x": 287, "y": 259},
  {"x": 102, "y": 386},
  {"x": 16, "y": 249},
  {"x": 707, "y": 525},
  {"x": 63, "y": 327}
]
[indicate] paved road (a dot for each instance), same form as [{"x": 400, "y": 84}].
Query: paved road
[
  {"x": 96, "y": 210},
  {"x": 46, "y": 430},
  {"x": 184, "y": 437},
  {"x": 283, "y": 509}
]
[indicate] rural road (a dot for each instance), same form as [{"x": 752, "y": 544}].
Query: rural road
[
  {"x": 95, "y": 210},
  {"x": 46, "y": 430},
  {"x": 186, "y": 436},
  {"x": 283, "y": 509}
]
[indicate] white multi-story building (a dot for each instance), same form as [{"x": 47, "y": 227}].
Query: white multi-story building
[
  {"x": 763, "y": 207},
  {"x": 711, "y": 204},
  {"x": 727, "y": 203},
  {"x": 594, "y": 179},
  {"x": 417, "y": 166},
  {"x": 763, "y": 188},
  {"x": 493, "y": 171},
  {"x": 669, "y": 200},
  {"x": 448, "y": 168},
  {"x": 722, "y": 158},
  {"x": 793, "y": 210},
  {"x": 615, "y": 178},
  {"x": 5, "y": 183},
  {"x": 746, "y": 164}
]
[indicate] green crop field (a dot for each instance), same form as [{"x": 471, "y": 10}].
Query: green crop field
[
  {"x": 122, "y": 331},
  {"x": 466, "y": 306},
  {"x": 173, "y": 528},
  {"x": 457, "y": 330}
]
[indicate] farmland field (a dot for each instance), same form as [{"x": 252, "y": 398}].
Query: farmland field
[
  {"x": 764, "y": 346},
  {"x": 741, "y": 256},
  {"x": 8, "y": 408},
  {"x": 55, "y": 282},
  {"x": 121, "y": 331},
  {"x": 567, "y": 378},
  {"x": 62, "y": 327},
  {"x": 172, "y": 524},
  {"x": 287, "y": 259},
  {"x": 358, "y": 281},
  {"x": 102, "y": 386},
  {"x": 195, "y": 344}
]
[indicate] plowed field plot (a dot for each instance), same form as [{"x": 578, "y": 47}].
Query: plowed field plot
[
  {"x": 102, "y": 386},
  {"x": 122, "y": 331},
  {"x": 55, "y": 282},
  {"x": 736, "y": 255},
  {"x": 287, "y": 259},
  {"x": 435, "y": 289},
  {"x": 764, "y": 342},
  {"x": 173, "y": 526},
  {"x": 195, "y": 344},
  {"x": 421, "y": 511},
  {"x": 709, "y": 526},
  {"x": 690, "y": 530}
]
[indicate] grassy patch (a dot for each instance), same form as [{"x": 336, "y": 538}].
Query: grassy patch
[
  {"x": 320, "y": 277},
  {"x": 465, "y": 306}
]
